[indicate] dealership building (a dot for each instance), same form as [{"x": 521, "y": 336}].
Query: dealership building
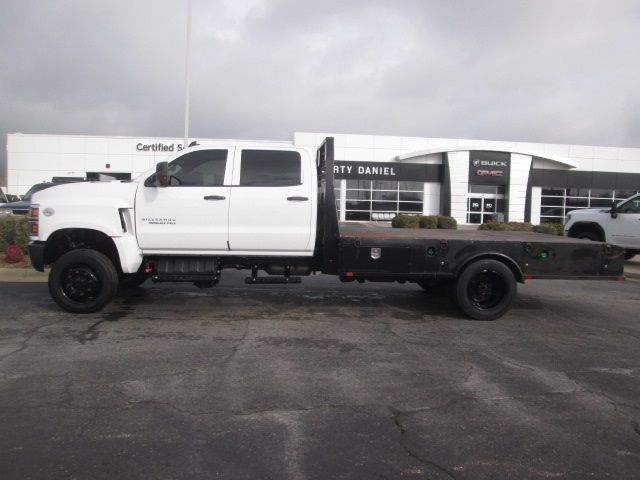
[{"x": 379, "y": 176}]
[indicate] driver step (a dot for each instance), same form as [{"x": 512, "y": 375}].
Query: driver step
[
  {"x": 263, "y": 280},
  {"x": 176, "y": 277}
]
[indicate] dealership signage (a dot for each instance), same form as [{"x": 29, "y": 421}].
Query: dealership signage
[
  {"x": 394, "y": 171},
  {"x": 159, "y": 147},
  {"x": 366, "y": 170},
  {"x": 489, "y": 168}
]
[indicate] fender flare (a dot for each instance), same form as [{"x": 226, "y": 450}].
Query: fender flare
[
  {"x": 581, "y": 226},
  {"x": 501, "y": 257}
]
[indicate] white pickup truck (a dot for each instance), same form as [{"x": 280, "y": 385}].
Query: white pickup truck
[
  {"x": 619, "y": 225},
  {"x": 272, "y": 208}
]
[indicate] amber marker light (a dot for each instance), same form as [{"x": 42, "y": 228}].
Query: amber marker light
[{"x": 34, "y": 220}]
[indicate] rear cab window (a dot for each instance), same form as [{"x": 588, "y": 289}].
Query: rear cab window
[{"x": 270, "y": 168}]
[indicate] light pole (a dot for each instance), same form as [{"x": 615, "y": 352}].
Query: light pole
[{"x": 187, "y": 64}]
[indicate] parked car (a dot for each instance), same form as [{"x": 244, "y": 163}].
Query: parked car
[
  {"x": 618, "y": 225},
  {"x": 21, "y": 207}
]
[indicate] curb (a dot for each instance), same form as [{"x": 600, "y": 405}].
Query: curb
[{"x": 22, "y": 275}]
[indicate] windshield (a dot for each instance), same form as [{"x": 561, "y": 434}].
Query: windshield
[{"x": 36, "y": 188}]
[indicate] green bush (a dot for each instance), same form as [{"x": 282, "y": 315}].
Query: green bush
[
  {"x": 424, "y": 221},
  {"x": 14, "y": 230},
  {"x": 506, "y": 226},
  {"x": 429, "y": 221},
  {"x": 406, "y": 221},
  {"x": 550, "y": 228},
  {"x": 447, "y": 223}
]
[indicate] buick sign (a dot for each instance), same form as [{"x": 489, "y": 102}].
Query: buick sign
[{"x": 489, "y": 168}]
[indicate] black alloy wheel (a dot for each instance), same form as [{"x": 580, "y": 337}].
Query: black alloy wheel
[
  {"x": 485, "y": 289},
  {"x": 83, "y": 281},
  {"x": 80, "y": 283}
]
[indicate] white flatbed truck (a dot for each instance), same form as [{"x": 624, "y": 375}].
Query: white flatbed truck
[{"x": 271, "y": 208}]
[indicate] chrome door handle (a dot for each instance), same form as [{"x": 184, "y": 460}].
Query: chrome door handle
[
  {"x": 215, "y": 197},
  {"x": 297, "y": 199}
]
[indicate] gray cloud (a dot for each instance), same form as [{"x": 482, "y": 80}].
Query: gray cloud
[{"x": 543, "y": 70}]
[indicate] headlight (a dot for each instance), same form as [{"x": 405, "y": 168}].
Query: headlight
[
  {"x": 568, "y": 218},
  {"x": 5, "y": 211}
]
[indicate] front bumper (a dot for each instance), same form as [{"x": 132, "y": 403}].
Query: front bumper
[{"x": 36, "y": 253}]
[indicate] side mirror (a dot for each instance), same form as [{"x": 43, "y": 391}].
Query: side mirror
[
  {"x": 162, "y": 174},
  {"x": 613, "y": 211}
]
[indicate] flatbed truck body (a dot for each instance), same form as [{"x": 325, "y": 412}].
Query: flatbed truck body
[{"x": 132, "y": 232}]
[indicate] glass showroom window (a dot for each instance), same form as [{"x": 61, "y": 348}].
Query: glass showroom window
[
  {"x": 381, "y": 200},
  {"x": 556, "y": 203}
]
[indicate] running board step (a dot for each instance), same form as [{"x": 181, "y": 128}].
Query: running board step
[
  {"x": 263, "y": 280},
  {"x": 174, "y": 277}
]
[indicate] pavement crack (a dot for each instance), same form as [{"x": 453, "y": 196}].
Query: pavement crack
[
  {"x": 92, "y": 333},
  {"x": 234, "y": 350},
  {"x": 24, "y": 344},
  {"x": 434, "y": 470}
]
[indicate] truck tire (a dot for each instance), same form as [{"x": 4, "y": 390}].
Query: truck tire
[
  {"x": 589, "y": 235},
  {"x": 83, "y": 281},
  {"x": 132, "y": 280},
  {"x": 485, "y": 289}
]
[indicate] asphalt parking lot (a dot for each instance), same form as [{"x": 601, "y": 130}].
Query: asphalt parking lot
[{"x": 321, "y": 380}]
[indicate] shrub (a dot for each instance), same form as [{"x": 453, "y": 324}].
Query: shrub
[
  {"x": 550, "y": 228},
  {"x": 14, "y": 230},
  {"x": 13, "y": 254},
  {"x": 429, "y": 221},
  {"x": 506, "y": 226},
  {"x": 447, "y": 223},
  {"x": 406, "y": 221}
]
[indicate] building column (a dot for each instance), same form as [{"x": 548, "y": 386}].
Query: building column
[
  {"x": 518, "y": 180},
  {"x": 459, "y": 176},
  {"x": 536, "y": 203},
  {"x": 343, "y": 199},
  {"x": 431, "y": 199}
]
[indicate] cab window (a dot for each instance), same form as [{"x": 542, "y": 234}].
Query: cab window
[
  {"x": 270, "y": 168},
  {"x": 630, "y": 206},
  {"x": 202, "y": 168}
]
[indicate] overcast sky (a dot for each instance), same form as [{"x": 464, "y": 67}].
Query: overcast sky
[{"x": 543, "y": 71}]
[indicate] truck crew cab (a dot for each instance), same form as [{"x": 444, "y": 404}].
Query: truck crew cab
[
  {"x": 271, "y": 208},
  {"x": 619, "y": 225}
]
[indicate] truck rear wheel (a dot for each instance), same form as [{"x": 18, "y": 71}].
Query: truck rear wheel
[
  {"x": 83, "y": 281},
  {"x": 485, "y": 289}
]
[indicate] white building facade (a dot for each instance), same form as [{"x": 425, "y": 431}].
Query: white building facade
[{"x": 380, "y": 176}]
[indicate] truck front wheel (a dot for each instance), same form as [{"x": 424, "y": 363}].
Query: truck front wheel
[
  {"x": 83, "y": 281},
  {"x": 485, "y": 289}
]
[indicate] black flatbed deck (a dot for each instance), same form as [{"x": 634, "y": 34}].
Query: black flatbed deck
[
  {"x": 411, "y": 253},
  {"x": 372, "y": 230}
]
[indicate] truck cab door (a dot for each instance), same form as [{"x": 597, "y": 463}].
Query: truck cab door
[
  {"x": 272, "y": 204},
  {"x": 192, "y": 213},
  {"x": 625, "y": 227}
]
